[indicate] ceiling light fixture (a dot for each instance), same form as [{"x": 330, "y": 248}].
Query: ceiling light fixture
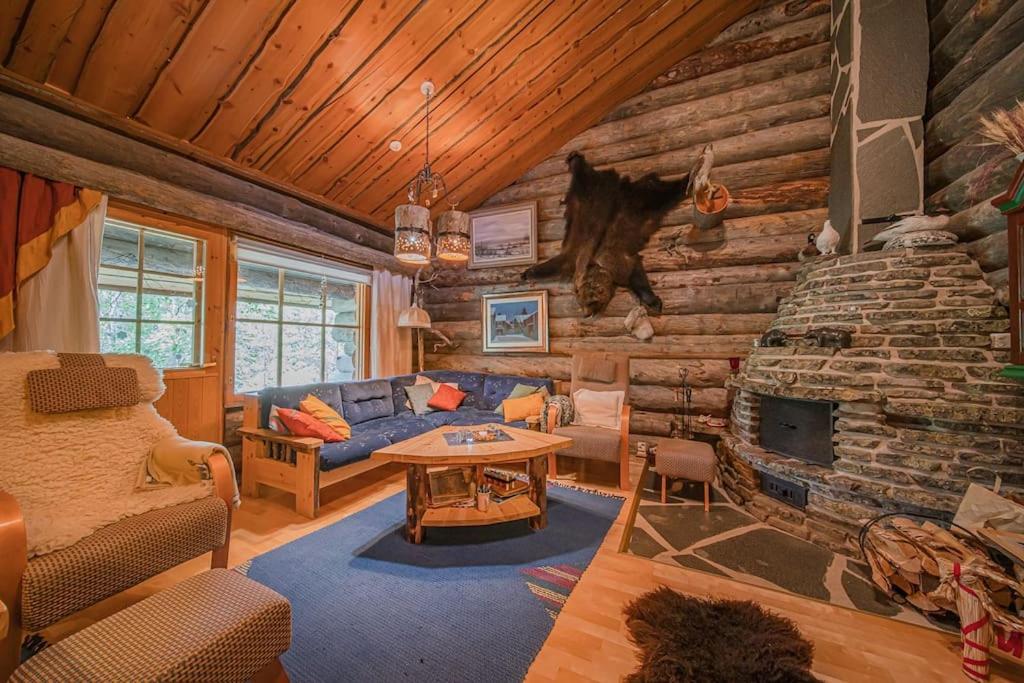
[{"x": 412, "y": 220}]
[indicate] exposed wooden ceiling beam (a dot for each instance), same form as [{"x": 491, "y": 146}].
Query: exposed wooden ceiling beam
[{"x": 277, "y": 196}]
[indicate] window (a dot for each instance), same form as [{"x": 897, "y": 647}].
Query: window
[
  {"x": 151, "y": 294},
  {"x": 297, "y": 321}
]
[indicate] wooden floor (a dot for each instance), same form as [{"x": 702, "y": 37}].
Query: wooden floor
[{"x": 589, "y": 641}]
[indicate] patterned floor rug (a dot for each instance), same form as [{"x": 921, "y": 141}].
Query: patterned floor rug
[
  {"x": 728, "y": 541},
  {"x": 471, "y": 603}
]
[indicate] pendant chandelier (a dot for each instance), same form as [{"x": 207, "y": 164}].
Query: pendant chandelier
[{"x": 412, "y": 220}]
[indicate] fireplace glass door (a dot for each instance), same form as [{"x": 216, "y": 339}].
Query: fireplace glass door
[{"x": 798, "y": 428}]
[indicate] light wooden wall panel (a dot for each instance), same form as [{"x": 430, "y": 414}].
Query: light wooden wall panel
[{"x": 759, "y": 92}]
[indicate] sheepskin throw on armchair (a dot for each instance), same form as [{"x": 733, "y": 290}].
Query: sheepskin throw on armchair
[
  {"x": 608, "y": 220},
  {"x": 75, "y": 472}
]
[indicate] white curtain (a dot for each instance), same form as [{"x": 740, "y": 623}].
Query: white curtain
[
  {"x": 390, "y": 345},
  {"x": 58, "y": 308}
]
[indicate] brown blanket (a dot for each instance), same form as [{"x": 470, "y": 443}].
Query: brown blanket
[{"x": 178, "y": 461}]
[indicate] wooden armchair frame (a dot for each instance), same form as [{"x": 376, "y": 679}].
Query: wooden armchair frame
[
  {"x": 288, "y": 463},
  {"x": 14, "y": 550}
]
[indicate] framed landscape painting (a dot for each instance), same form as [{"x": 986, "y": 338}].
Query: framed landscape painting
[
  {"x": 515, "y": 322},
  {"x": 503, "y": 235}
]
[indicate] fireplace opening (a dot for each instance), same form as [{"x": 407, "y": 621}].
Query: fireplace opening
[{"x": 798, "y": 428}]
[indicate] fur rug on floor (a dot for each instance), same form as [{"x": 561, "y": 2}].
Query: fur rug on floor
[{"x": 690, "y": 640}]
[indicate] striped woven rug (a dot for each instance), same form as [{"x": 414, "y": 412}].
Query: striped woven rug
[{"x": 471, "y": 603}]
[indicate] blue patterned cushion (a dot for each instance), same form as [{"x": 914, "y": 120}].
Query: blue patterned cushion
[
  {"x": 440, "y": 418},
  {"x": 498, "y": 387},
  {"x": 367, "y": 400},
  {"x": 397, "y": 427},
  {"x": 359, "y": 447},
  {"x": 474, "y": 416},
  {"x": 289, "y": 397}
]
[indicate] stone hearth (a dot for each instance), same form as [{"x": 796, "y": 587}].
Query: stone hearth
[{"x": 918, "y": 397}]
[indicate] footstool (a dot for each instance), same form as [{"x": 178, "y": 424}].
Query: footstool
[
  {"x": 216, "y": 627},
  {"x": 685, "y": 459}
]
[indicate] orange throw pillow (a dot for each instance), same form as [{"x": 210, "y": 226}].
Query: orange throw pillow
[
  {"x": 446, "y": 398},
  {"x": 300, "y": 424},
  {"x": 517, "y": 409},
  {"x": 311, "y": 405}
]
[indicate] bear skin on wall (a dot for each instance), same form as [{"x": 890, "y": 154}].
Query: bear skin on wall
[{"x": 608, "y": 221}]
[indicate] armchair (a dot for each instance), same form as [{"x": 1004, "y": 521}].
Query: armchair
[
  {"x": 75, "y": 525},
  {"x": 597, "y": 371}
]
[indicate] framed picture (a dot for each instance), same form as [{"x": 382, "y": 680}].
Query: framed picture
[
  {"x": 503, "y": 235},
  {"x": 516, "y": 322}
]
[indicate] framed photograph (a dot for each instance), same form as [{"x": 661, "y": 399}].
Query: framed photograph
[
  {"x": 503, "y": 235},
  {"x": 516, "y": 322}
]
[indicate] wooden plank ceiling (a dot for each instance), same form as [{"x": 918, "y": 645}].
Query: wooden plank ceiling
[{"x": 311, "y": 92}]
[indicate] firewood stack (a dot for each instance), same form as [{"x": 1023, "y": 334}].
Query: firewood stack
[{"x": 935, "y": 570}]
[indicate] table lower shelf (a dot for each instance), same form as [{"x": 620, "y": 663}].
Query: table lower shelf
[{"x": 520, "y": 507}]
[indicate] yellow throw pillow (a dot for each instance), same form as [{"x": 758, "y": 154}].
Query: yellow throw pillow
[
  {"x": 521, "y": 408},
  {"x": 311, "y": 405}
]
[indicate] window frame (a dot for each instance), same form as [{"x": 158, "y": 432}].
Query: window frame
[
  {"x": 361, "y": 326},
  {"x": 199, "y": 313}
]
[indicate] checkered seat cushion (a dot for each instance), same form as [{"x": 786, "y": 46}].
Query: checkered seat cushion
[
  {"x": 117, "y": 557},
  {"x": 216, "y": 627},
  {"x": 591, "y": 443},
  {"x": 685, "y": 459}
]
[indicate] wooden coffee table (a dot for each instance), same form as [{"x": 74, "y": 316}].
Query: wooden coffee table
[{"x": 432, "y": 450}]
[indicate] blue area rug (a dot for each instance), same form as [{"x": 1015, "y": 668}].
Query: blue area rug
[{"x": 470, "y": 603}]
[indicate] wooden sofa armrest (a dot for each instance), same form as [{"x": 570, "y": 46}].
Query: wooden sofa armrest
[
  {"x": 299, "y": 443},
  {"x": 14, "y": 550}
]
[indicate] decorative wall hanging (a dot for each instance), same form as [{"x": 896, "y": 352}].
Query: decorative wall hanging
[
  {"x": 709, "y": 199},
  {"x": 503, "y": 235},
  {"x": 608, "y": 221},
  {"x": 515, "y": 322}
]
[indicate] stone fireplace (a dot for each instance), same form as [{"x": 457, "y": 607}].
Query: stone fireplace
[{"x": 911, "y": 411}]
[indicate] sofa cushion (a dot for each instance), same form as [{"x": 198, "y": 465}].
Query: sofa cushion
[
  {"x": 397, "y": 427},
  {"x": 592, "y": 443},
  {"x": 470, "y": 382},
  {"x": 419, "y": 396},
  {"x": 498, "y": 387},
  {"x": 440, "y": 418},
  {"x": 362, "y": 401},
  {"x": 446, "y": 398},
  {"x": 290, "y": 397},
  {"x": 359, "y": 447},
  {"x": 467, "y": 417}
]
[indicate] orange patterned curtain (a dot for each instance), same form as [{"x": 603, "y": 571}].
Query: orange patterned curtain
[{"x": 34, "y": 214}]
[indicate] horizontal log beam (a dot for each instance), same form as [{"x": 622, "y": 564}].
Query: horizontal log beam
[
  {"x": 699, "y": 132},
  {"x": 40, "y": 115},
  {"x": 164, "y": 196},
  {"x": 803, "y": 136},
  {"x": 785, "y": 38}
]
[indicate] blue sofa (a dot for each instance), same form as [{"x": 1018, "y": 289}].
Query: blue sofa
[{"x": 376, "y": 410}]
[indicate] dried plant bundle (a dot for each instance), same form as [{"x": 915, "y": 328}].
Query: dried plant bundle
[{"x": 1005, "y": 127}]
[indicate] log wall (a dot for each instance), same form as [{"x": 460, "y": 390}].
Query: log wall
[
  {"x": 977, "y": 58},
  {"x": 760, "y": 92}
]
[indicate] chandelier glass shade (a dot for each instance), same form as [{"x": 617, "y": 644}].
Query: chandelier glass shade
[
  {"x": 412, "y": 233},
  {"x": 453, "y": 235}
]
